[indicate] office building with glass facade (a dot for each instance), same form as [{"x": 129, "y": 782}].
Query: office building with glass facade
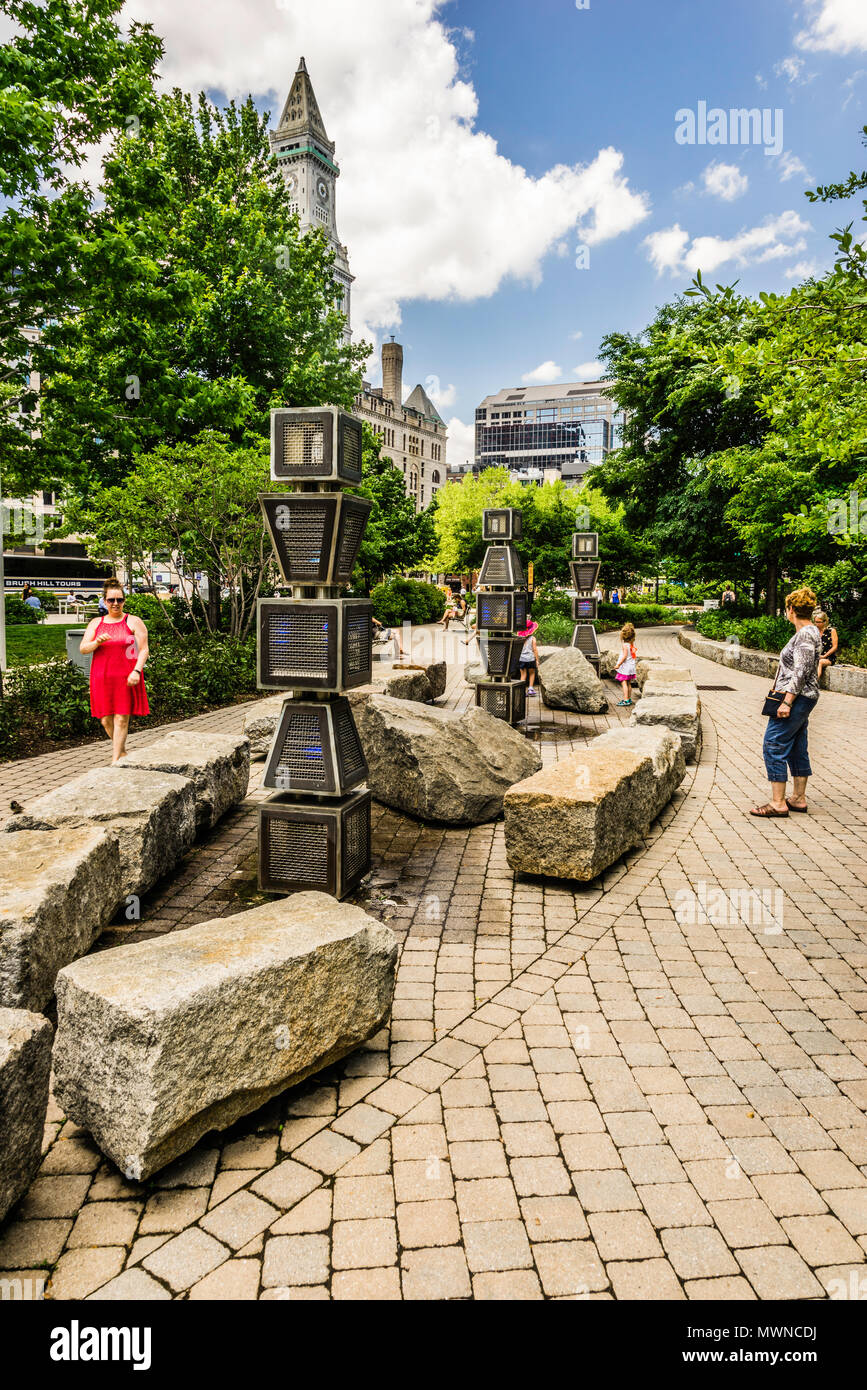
[{"x": 544, "y": 432}]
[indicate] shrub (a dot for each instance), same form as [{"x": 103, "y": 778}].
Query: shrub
[
  {"x": 856, "y": 653},
  {"x": 554, "y": 629},
  {"x": 48, "y": 701},
  {"x": 150, "y": 609},
  {"x": 407, "y": 600},
  {"x": 19, "y": 613},
  {"x": 765, "y": 633}
]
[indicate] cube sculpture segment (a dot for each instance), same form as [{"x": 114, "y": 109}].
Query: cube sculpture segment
[
  {"x": 585, "y": 575},
  {"x": 501, "y": 612},
  {"x": 314, "y": 832}
]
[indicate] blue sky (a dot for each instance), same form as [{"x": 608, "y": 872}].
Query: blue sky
[
  {"x": 481, "y": 142},
  {"x": 555, "y": 84}
]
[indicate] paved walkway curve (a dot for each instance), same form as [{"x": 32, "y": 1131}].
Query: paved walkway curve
[{"x": 649, "y": 1087}]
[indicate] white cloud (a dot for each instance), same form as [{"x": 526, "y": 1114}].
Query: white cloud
[
  {"x": 761, "y": 80},
  {"x": 440, "y": 395},
  {"x": 851, "y": 83},
  {"x": 428, "y": 206},
  {"x": 790, "y": 68},
  {"x": 461, "y": 443},
  {"x": 671, "y": 250},
  {"x": 588, "y": 371},
  {"x": 545, "y": 372},
  {"x": 802, "y": 271},
  {"x": 835, "y": 26},
  {"x": 576, "y": 335},
  {"x": 792, "y": 167},
  {"x": 725, "y": 181}
]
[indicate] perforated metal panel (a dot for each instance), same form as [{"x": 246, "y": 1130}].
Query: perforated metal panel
[
  {"x": 314, "y": 644},
  {"x": 506, "y": 700},
  {"x": 316, "y": 536},
  {"x": 502, "y": 568},
  {"x": 584, "y": 640},
  {"x": 303, "y": 760},
  {"x": 585, "y": 573},
  {"x": 308, "y": 844},
  {"x": 583, "y": 609},
  {"x": 501, "y": 655},
  {"x": 585, "y": 545},
  {"x": 501, "y": 524},
  {"x": 321, "y": 445},
  {"x": 352, "y": 763},
  {"x": 501, "y": 612},
  {"x": 357, "y": 644}
]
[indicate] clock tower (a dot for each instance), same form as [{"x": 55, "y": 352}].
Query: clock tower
[{"x": 306, "y": 159}]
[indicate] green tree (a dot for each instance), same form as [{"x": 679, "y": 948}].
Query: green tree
[
  {"x": 397, "y": 538},
  {"x": 198, "y": 499},
  {"x": 198, "y": 305},
  {"x": 67, "y": 78}
]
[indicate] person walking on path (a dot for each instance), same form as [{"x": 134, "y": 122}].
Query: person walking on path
[
  {"x": 797, "y": 679},
  {"x": 625, "y": 669},
  {"x": 830, "y": 640},
  {"x": 119, "y": 643},
  {"x": 528, "y": 662}
]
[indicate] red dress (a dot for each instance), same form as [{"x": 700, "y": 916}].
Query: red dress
[{"x": 111, "y": 664}]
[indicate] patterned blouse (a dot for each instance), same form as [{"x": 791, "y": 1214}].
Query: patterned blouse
[{"x": 799, "y": 660}]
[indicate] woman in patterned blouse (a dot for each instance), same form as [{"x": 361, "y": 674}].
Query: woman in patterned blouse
[{"x": 786, "y": 734}]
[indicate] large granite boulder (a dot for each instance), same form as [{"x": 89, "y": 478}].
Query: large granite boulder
[
  {"x": 438, "y": 765},
  {"x": 410, "y": 683},
  {"x": 674, "y": 705},
  {"x": 25, "y": 1067},
  {"x": 260, "y": 724},
  {"x": 160, "y": 1042},
  {"x": 607, "y": 664},
  {"x": 579, "y": 815},
  {"x": 651, "y": 668},
  {"x": 437, "y": 674},
  {"x": 218, "y": 765},
  {"x": 151, "y": 814},
  {"x": 568, "y": 681},
  {"x": 60, "y": 888},
  {"x": 474, "y": 671}
]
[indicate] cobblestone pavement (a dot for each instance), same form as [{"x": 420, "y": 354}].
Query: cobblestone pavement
[{"x": 595, "y": 1091}]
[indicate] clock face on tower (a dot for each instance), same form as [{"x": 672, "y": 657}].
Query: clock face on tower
[
  {"x": 322, "y": 191},
  {"x": 292, "y": 183}
]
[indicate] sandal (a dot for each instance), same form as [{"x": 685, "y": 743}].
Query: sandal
[
  {"x": 768, "y": 812},
  {"x": 801, "y": 810}
]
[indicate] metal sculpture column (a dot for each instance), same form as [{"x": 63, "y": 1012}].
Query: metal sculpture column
[
  {"x": 585, "y": 566},
  {"x": 501, "y": 612},
  {"x": 315, "y": 831}
]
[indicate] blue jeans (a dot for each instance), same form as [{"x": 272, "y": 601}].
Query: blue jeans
[{"x": 786, "y": 742}]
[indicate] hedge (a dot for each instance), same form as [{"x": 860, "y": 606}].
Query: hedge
[
  {"x": 407, "y": 600},
  {"x": 20, "y": 614},
  {"x": 52, "y": 702}
]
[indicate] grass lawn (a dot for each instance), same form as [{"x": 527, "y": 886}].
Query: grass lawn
[{"x": 29, "y": 642}]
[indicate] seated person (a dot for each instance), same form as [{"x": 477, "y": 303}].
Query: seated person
[
  {"x": 387, "y": 634},
  {"x": 830, "y": 641}
]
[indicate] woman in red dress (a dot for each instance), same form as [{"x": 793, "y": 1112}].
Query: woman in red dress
[{"x": 120, "y": 649}]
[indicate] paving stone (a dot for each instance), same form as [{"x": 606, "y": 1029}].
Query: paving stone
[
  {"x": 719, "y": 1290},
  {"x": 623, "y": 1235},
  {"x": 363, "y": 1244},
  {"x": 173, "y": 1210},
  {"x": 366, "y": 1285},
  {"x": 186, "y": 1259},
  {"x": 435, "y": 1274},
  {"x": 778, "y": 1272},
  {"x": 747, "y": 1222},
  {"x": 326, "y": 1151},
  {"x": 54, "y": 1196},
  {"x": 496, "y": 1245},
  {"x": 234, "y": 1281},
  {"x": 237, "y": 1220},
  {"x": 609, "y": 1190},
  {"x": 105, "y": 1223},
  {"x": 554, "y": 1218},
  {"x": 822, "y": 1240},
  {"x": 133, "y": 1286},
  {"x": 31, "y": 1243},
  {"x": 569, "y": 1269},
  {"x": 514, "y": 1285},
  {"x": 698, "y": 1252},
  {"x": 286, "y": 1183},
  {"x": 79, "y": 1272},
  {"x": 290, "y": 1260},
  {"x": 645, "y": 1280},
  {"x": 431, "y": 1224}
]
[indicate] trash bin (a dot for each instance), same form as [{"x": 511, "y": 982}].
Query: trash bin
[{"x": 74, "y": 637}]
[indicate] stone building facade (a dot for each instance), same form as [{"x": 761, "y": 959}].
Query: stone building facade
[{"x": 413, "y": 433}]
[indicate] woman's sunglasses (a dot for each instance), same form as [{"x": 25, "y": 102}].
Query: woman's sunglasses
[{"x": 115, "y": 600}]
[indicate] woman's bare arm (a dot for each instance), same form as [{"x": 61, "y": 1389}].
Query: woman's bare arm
[{"x": 88, "y": 643}]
